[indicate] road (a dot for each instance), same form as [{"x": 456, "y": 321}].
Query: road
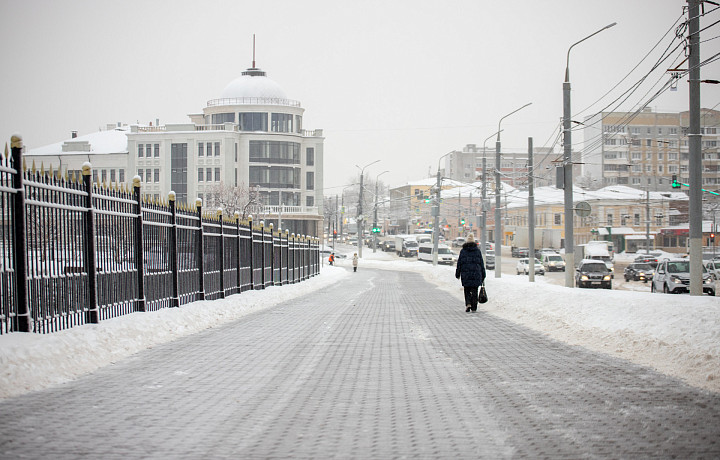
[{"x": 379, "y": 365}]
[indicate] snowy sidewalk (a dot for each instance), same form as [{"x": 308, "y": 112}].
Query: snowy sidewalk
[{"x": 379, "y": 364}]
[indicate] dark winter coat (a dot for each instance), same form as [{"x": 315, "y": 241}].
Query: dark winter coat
[{"x": 470, "y": 265}]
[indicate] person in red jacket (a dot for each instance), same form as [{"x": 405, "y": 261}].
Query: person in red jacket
[{"x": 331, "y": 259}]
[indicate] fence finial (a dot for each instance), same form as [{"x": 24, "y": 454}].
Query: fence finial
[
  {"x": 16, "y": 141},
  {"x": 198, "y": 202},
  {"x": 136, "y": 182},
  {"x": 7, "y": 154},
  {"x": 171, "y": 195}
]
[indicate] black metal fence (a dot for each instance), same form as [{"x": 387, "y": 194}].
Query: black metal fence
[{"x": 74, "y": 252}]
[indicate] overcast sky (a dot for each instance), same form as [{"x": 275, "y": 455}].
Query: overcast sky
[{"x": 400, "y": 81}]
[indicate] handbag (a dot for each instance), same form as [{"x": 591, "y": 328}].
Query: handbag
[{"x": 482, "y": 296}]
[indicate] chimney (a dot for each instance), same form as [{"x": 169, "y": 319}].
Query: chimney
[
  {"x": 73, "y": 135},
  {"x": 157, "y": 122}
]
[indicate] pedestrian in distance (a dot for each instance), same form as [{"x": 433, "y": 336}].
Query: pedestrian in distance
[
  {"x": 355, "y": 262},
  {"x": 331, "y": 259},
  {"x": 470, "y": 271}
]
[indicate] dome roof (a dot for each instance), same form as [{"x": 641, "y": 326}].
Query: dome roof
[{"x": 253, "y": 83}]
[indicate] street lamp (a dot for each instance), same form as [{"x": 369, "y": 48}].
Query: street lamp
[
  {"x": 498, "y": 225},
  {"x": 567, "y": 169},
  {"x": 435, "y": 211},
  {"x": 483, "y": 232},
  {"x": 360, "y": 220},
  {"x": 375, "y": 222}
]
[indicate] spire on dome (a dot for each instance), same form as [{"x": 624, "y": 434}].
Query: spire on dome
[{"x": 254, "y": 71}]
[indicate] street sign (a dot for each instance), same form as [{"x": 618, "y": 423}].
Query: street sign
[{"x": 582, "y": 209}]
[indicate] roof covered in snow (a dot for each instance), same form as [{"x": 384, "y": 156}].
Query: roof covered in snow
[
  {"x": 253, "y": 83},
  {"x": 101, "y": 142}
]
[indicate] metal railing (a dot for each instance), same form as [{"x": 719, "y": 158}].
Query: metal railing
[
  {"x": 252, "y": 101},
  {"x": 74, "y": 252}
]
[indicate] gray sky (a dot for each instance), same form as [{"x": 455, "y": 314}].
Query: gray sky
[{"x": 400, "y": 81}]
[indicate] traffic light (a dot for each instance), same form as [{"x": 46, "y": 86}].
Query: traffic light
[
  {"x": 334, "y": 233},
  {"x": 427, "y": 199},
  {"x": 376, "y": 229},
  {"x": 675, "y": 183},
  {"x": 462, "y": 221},
  {"x": 712, "y": 237}
]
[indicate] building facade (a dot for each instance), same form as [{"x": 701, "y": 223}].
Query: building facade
[
  {"x": 250, "y": 138},
  {"x": 646, "y": 149}
]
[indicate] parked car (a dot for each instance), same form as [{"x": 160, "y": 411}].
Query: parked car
[
  {"x": 672, "y": 276},
  {"x": 519, "y": 252},
  {"x": 553, "y": 262},
  {"x": 713, "y": 267},
  {"x": 637, "y": 271},
  {"x": 490, "y": 259},
  {"x": 458, "y": 242},
  {"x": 523, "y": 266},
  {"x": 592, "y": 273},
  {"x": 444, "y": 254}
]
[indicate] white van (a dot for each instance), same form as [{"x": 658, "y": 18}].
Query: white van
[{"x": 445, "y": 255}]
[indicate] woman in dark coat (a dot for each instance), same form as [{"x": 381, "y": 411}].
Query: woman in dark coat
[{"x": 471, "y": 272}]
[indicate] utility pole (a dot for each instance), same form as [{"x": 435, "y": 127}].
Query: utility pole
[
  {"x": 694, "y": 141},
  {"x": 483, "y": 233},
  {"x": 647, "y": 220},
  {"x": 531, "y": 213},
  {"x": 360, "y": 220}
]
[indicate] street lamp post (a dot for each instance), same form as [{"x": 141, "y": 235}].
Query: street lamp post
[
  {"x": 567, "y": 169},
  {"x": 360, "y": 219},
  {"x": 483, "y": 232},
  {"x": 375, "y": 221},
  {"x": 435, "y": 210},
  {"x": 498, "y": 225}
]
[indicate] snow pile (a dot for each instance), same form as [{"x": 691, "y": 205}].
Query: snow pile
[{"x": 34, "y": 361}]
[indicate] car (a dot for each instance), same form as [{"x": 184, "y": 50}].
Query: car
[
  {"x": 592, "y": 273},
  {"x": 713, "y": 267},
  {"x": 490, "y": 259},
  {"x": 523, "y": 266},
  {"x": 647, "y": 259},
  {"x": 638, "y": 271},
  {"x": 458, "y": 242},
  {"x": 388, "y": 245},
  {"x": 672, "y": 276},
  {"x": 444, "y": 254},
  {"x": 553, "y": 262}
]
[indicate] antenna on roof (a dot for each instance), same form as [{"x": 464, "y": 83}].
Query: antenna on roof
[{"x": 253, "y": 66}]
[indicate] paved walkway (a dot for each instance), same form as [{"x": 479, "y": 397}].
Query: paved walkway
[{"x": 382, "y": 365}]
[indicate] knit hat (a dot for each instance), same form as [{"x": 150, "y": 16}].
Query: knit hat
[{"x": 470, "y": 238}]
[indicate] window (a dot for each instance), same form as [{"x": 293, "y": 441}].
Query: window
[
  {"x": 281, "y": 123},
  {"x": 112, "y": 175},
  {"x": 659, "y": 130},
  {"x": 157, "y": 150},
  {"x": 635, "y": 181},
  {"x": 636, "y": 155},
  {"x": 635, "y": 130},
  {"x": 711, "y": 130},
  {"x": 660, "y": 168},
  {"x": 156, "y": 175},
  {"x": 201, "y": 149},
  {"x": 298, "y": 123},
  {"x": 217, "y": 149},
  {"x": 251, "y": 121},
  {"x": 610, "y": 142},
  {"x": 649, "y": 130},
  {"x": 275, "y": 152},
  {"x": 140, "y": 150},
  {"x": 208, "y": 175},
  {"x": 148, "y": 175},
  {"x": 178, "y": 171},
  {"x": 121, "y": 175},
  {"x": 672, "y": 156},
  {"x": 672, "y": 169},
  {"x": 310, "y": 156},
  {"x": 103, "y": 176},
  {"x": 208, "y": 148},
  {"x": 235, "y": 177},
  {"x": 660, "y": 155},
  {"x": 310, "y": 180},
  {"x": 148, "y": 150},
  {"x": 309, "y": 200},
  {"x": 636, "y": 219},
  {"x": 201, "y": 175},
  {"x": 236, "y": 147},
  {"x": 648, "y": 142},
  {"x": 95, "y": 175},
  {"x": 610, "y": 220},
  {"x": 140, "y": 173},
  {"x": 558, "y": 219},
  {"x": 220, "y": 118},
  {"x": 217, "y": 174},
  {"x": 673, "y": 130},
  {"x": 636, "y": 168}
]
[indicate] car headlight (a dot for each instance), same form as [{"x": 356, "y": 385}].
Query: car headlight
[
  {"x": 707, "y": 280},
  {"x": 606, "y": 278},
  {"x": 641, "y": 274},
  {"x": 584, "y": 278},
  {"x": 674, "y": 280}
]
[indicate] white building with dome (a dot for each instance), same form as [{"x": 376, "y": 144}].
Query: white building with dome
[{"x": 252, "y": 136}]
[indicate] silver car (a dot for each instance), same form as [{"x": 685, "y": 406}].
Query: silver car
[{"x": 672, "y": 276}]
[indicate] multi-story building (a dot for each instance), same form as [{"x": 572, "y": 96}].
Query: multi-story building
[
  {"x": 250, "y": 138},
  {"x": 466, "y": 165},
  {"x": 646, "y": 149}
]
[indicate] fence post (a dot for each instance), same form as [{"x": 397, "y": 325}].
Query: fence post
[
  {"x": 252, "y": 255},
  {"x": 272, "y": 255},
  {"x": 139, "y": 253},
  {"x": 293, "y": 255},
  {"x": 239, "y": 240},
  {"x": 22, "y": 321},
  {"x": 201, "y": 251},
  {"x": 262, "y": 254},
  {"x": 222, "y": 254},
  {"x": 174, "y": 250},
  {"x": 92, "y": 315}
]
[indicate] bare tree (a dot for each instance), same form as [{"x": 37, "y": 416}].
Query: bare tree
[{"x": 231, "y": 199}]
